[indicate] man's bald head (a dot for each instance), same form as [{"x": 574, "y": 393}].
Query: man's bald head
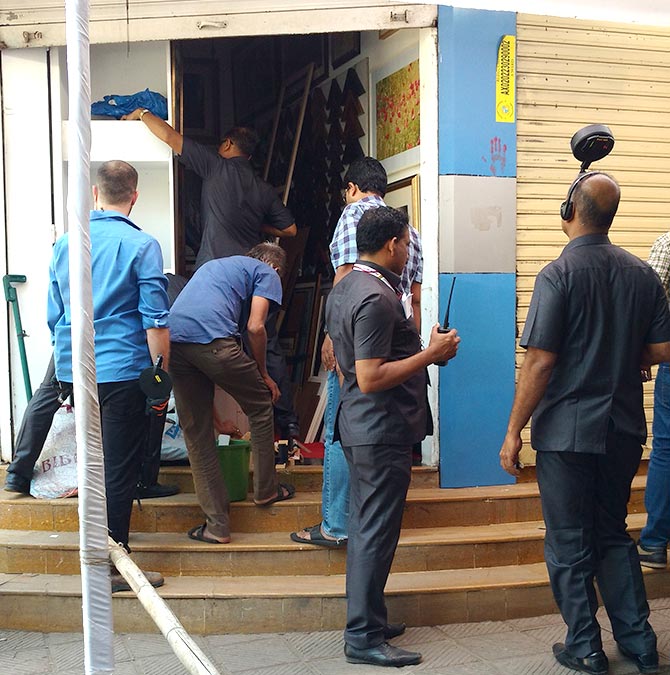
[{"x": 596, "y": 201}]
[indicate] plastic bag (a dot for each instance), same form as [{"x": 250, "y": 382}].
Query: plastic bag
[
  {"x": 55, "y": 473},
  {"x": 173, "y": 446},
  {"x": 117, "y": 105}
]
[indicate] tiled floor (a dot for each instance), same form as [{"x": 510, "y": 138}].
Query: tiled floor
[{"x": 516, "y": 647}]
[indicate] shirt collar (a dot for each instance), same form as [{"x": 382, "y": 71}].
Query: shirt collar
[
  {"x": 391, "y": 277},
  {"x": 112, "y": 215},
  {"x": 375, "y": 199},
  {"x": 588, "y": 240}
]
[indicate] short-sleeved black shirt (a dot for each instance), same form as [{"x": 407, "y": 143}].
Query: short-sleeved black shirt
[
  {"x": 596, "y": 306},
  {"x": 235, "y": 203},
  {"x": 366, "y": 320}
]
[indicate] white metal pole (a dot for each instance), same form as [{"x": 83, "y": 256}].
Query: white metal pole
[{"x": 94, "y": 555}]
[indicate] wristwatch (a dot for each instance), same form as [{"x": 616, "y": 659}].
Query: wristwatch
[{"x": 143, "y": 112}]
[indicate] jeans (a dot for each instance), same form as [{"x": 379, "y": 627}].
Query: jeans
[
  {"x": 335, "y": 494},
  {"x": 35, "y": 427},
  {"x": 656, "y": 533}
]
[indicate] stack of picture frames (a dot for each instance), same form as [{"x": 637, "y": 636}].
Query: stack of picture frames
[{"x": 301, "y": 339}]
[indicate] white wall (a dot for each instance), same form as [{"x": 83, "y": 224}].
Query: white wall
[{"x": 29, "y": 224}]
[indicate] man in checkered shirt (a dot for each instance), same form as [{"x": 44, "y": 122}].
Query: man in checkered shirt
[
  {"x": 655, "y": 536},
  {"x": 365, "y": 186}
]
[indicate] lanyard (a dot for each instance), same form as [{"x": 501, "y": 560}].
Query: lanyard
[{"x": 359, "y": 267}]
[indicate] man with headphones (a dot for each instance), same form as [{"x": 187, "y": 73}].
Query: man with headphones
[{"x": 597, "y": 315}]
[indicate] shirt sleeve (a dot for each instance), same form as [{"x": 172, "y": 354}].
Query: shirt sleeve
[
  {"x": 372, "y": 337},
  {"x": 659, "y": 260},
  {"x": 153, "y": 302},
  {"x": 267, "y": 284},
  {"x": 417, "y": 252},
  {"x": 343, "y": 250},
  {"x": 545, "y": 324},
  {"x": 55, "y": 304},
  {"x": 277, "y": 215},
  {"x": 198, "y": 158},
  {"x": 659, "y": 329}
]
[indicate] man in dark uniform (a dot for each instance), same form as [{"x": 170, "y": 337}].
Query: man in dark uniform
[
  {"x": 237, "y": 210},
  {"x": 597, "y": 315},
  {"x": 382, "y": 414}
]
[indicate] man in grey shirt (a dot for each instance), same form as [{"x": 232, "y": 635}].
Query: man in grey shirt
[{"x": 598, "y": 314}]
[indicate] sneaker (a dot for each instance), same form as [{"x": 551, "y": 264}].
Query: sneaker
[
  {"x": 158, "y": 490},
  {"x": 120, "y": 584},
  {"x": 652, "y": 556}
]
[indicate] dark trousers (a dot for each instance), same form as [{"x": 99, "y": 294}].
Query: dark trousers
[
  {"x": 35, "y": 427},
  {"x": 584, "y": 503},
  {"x": 380, "y": 476},
  {"x": 124, "y": 431}
]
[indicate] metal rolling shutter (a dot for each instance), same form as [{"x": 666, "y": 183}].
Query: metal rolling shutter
[{"x": 571, "y": 73}]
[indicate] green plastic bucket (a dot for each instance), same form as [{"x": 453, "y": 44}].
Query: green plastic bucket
[{"x": 234, "y": 463}]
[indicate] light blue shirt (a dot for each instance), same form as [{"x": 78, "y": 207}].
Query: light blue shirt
[
  {"x": 210, "y": 306},
  {"x": 129, "y": 296}
]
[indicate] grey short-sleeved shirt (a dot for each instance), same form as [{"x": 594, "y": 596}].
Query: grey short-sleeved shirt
[
  {"x": 235, "y": 203},
  {"x": 596, "y": 306},
  {"x": 366, "y": 321}
]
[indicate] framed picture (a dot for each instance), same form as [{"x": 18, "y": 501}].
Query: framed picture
[
  {"x": 404, "y": 195},
  {"x": 316, "y": 371},
  {"x": 395, "y": 113},
  {"x": 344, "y": 47},
  {"x": 200, "y": 99},
  {"x": 255, "y": 78}
]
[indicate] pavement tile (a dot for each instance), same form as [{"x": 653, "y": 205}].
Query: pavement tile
[
  {"x": 420, "y": 634},
  {"x": 274, "y": 650},
  {"x": 443, "y": 654},
  {"x": 25, "y": 661},
  {"x": 167, "y": 664},
  {"x": 328, "y": 644},
  {"x": 537, "y": 621},
  {"x": 497, "y": 646},
  {"x": 538, "y": 664},
  {"x": 548, "y": 635},
  {"x": 459, "y": 630},
  {"x": 286, "y": 669},
  {"x": 14, "y": 640}
]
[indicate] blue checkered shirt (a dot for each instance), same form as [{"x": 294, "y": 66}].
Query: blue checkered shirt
[{"x": 343, "y": 249}]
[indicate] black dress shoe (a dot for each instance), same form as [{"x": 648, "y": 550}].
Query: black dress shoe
[
  {"x": 157, "y": 490},
  {"x": 646, "y": 663},
  {"x": 595, "y": 664},
  {"x": 393, "y": 630},
  {"x": 382, "y": 655}
]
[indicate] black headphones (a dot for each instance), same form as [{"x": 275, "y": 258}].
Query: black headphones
[{"x": 568, "y": 206}]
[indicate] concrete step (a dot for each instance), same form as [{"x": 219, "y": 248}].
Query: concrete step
[
  {"x": 273, "y": 553},
  {"x": 207, "y": 605},
  {"x": 306, "y": 478},
  {"x": 426, "y": 507}
]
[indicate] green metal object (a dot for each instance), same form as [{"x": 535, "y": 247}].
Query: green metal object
[{"x": 11, "y": 297}]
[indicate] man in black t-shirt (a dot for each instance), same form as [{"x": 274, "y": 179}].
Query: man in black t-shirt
[{"x": 237, "y": 207}]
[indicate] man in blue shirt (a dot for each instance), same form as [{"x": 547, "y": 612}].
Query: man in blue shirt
[
  {"x": 207, "y": 351},
  {"x": 130, "y": 308}
]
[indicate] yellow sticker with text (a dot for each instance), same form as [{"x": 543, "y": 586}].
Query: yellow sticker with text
[{"x": 505, "y": 80}]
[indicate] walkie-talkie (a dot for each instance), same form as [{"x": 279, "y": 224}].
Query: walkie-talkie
[{"x": 444, "y": 328}]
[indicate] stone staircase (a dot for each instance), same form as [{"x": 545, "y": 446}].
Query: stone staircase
[{"x": 469, "y": 554}]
